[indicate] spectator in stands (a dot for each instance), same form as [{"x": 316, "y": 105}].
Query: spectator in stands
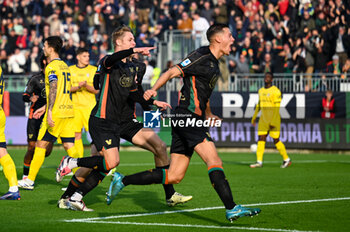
[
  {"x": 16, "y": 62},
  {"x": 328, "y": 105},
  {"x": 342, "y": 44},
  {"x": 68, "y": 52},
  {"x": 185, "y": 23},
  {"x": 207, "y": 12},
  {"x": 12, "y": 39},
  {"x": 220, "y": 12},
  {"x": 199, "y": 28},
  {"x": 334, "y": 67},
  {"x": 143, "y": 10},
  {"x": 3, "y": 61},
  {"x": 55, "y": 24},
  {"x": 33, "y": 61},
  {"x": 346, "y": 70}
]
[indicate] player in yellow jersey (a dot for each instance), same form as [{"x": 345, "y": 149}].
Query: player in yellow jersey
[
  {"x": 83, "y": 95},
  {"x": 59, "y": 117},
  {"x": 270, "y": 121},
  {"x": 6, "y": 161}
]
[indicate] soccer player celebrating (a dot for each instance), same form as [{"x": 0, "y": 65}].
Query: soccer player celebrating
[
  {"x": 116, "y": 80},
  {"x": 34, "y": 93},
  {"x": 59, "y": 117},
  {"x": 133, "y": 131},
  {"x": 200, "y": 72},
  {"x": 6, "y": 161},
  {"x": 269, "y": 122},
  {"x": 83, "y": 95}
]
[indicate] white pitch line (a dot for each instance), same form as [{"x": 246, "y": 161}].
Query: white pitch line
[
  {"x": 202, "y": 209},
  {"x": 196, "y": 226}
]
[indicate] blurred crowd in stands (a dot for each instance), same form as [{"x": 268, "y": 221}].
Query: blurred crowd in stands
[{"x": 280, "y": 36}]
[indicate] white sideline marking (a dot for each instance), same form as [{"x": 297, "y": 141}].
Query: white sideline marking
[
  {"x": 232, "y": 162},
  {"x": 202, "y": 209},
  {"x": 194, "y": 226}
]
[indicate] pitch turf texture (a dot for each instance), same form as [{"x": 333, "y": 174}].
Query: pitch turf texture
[{"x": 311, "y": 195}]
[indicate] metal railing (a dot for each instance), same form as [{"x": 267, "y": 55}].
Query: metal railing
[{"x": 293, "y": 82}]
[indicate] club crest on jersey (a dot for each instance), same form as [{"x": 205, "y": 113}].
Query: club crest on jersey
[
  {"x": 125, "y": 81},
  {"x": 185, "y": 62}
]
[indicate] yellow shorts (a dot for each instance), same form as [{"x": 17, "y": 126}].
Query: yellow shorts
[
  {"x": 81, "y": 118},
  {"x": 64, "y": 128},
  {"x": 2, "y": 126},
  {"x": 268, "y": 128}
]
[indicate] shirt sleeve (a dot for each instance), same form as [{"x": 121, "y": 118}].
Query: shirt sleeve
[
  {"x": 52, "y": 74},
  {"x": 186, "y": 66},
  {"x": 29, "y": 90}
]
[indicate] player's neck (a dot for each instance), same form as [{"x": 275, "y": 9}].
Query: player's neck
[
  {"x": 216, "y": 51},
  {"x": 52, "y": 57},
  {"x": 81, "y": 65},
  {"x": 268, "y": 85}
]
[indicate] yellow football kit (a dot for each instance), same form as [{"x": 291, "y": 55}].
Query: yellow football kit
[
  {"x": 62, "y": 112},
  {"x": 83, "y": 100},
  {"x": 269, "y": 105},
  {"x": 5, "y": 159},
  {"x": 270, "y": 120}
]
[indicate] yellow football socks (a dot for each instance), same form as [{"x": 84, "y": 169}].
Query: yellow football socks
[
  {"x": 37, "y": 162},
  {"x": 9, "y": 170},
  {"x": 260, "y": 151},
  {"x": 78, "y": 144},
  {"x": 282, "y": 149}
]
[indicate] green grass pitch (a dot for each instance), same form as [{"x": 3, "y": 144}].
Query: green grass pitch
[{"x": 311, "y": 195}]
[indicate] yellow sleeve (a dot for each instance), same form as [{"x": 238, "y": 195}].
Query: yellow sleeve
[{"x": 257, "y": 109}]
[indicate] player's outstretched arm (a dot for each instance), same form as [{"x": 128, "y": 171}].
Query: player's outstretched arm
[
  {"x": 162, "y": 105},
  {"x": 257, "y": 109},
  {"x": 164, "y": 78}
]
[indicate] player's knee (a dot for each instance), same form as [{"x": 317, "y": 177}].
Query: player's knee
[
  {"x": 31, "y": 149},
  {"x": 175, "y": 180},
  {"x": 113, "y": 164},
  {"x": 276, "y": 141}
]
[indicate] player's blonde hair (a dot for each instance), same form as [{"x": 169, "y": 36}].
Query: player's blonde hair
[{"x": 118, "y": 33}]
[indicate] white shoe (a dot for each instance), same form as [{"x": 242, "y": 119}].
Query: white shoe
[
  {"x": 256, "y": 165},
  {"x": 178, "y": 198},
  {"x": 77, "y": 205},
  {"x": 286, "y": 163},
  {"x": 62, "y": 203},
  {"x": 25, "y": 184},
  {"x": 63, "y": 169}
]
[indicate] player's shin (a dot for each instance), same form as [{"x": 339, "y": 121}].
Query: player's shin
[
  {"x": 92, "y": 180},
  {"x": 9, "y": 170},
  {"x": 168, "y": 188},
  {"x": 37, "y": 162},
  {"x": 153, "y": 176},
  {"x": 282, "y": 150},
  {"x": 260, "y": 151},
  {"x": 221, "y": 186},
  {"x": 73, "y": 185},
  {"x": 97, "y": 163}
]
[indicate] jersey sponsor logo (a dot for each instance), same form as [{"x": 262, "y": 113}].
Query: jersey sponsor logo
[
  {"x": 30, "y": 136},
  {"x": 125, "y": 81},
  {"x": 108, "y": 141},
  {"x": 185, "y": 62}
]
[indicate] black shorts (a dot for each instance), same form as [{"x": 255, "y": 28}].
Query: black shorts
[
  {"x": 184, "y": 139},
  {"x": 33, "y": 127},
  {"x": 129, "y": 129},
  {"x": 104, "y": 134}
]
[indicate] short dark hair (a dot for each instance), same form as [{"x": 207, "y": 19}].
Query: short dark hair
[
  {"x": 214, "y": 29},
  {"x": 41, "y": 60},
  {"x": 55, "y": 42},
  {"x": 269, "y": 73},
  {"x": 82, "y": 50}
]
